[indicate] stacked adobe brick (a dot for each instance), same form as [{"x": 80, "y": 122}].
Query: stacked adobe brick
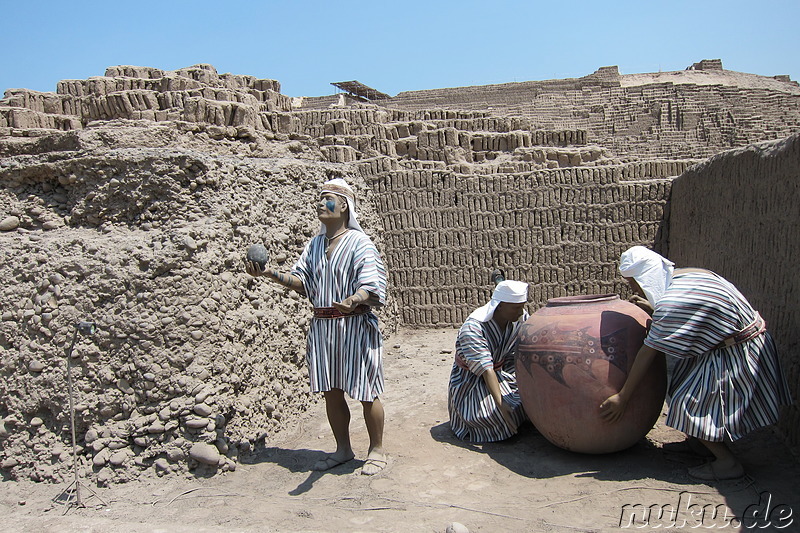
[{"x": 137, "y": 212}]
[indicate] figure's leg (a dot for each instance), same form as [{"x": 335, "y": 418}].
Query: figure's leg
[
  {"x": 339, "y": 419},
  {"x": 374, "y": 419},
  {"x": 724, "y": 466}
]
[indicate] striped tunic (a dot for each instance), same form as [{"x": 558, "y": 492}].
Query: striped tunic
[
  {"x": 344, "y": 353},
  {"x": 481, "y": 346},
  {"x": 715, "y": 393}
]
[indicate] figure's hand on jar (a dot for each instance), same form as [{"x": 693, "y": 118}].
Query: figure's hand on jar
[
  {"x": 642, "y": 303},
  {"x": 613, "y": 408}
]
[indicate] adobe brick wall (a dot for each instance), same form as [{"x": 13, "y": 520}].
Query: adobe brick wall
[
  {"x": 562, "y": 230},
  {"x": 659, "y": 119},
  {"x": 737, "y": 214}
]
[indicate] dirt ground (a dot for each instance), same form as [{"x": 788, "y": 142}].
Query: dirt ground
[{"x": 433, "y": 479}]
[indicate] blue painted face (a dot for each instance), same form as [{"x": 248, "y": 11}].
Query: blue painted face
[{"x": 330, "y": 205}]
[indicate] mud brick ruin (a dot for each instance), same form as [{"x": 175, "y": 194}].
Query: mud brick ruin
[{"x": 129, "y": 199}]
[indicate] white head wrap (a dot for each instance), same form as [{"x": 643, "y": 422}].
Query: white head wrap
[
  {"x": 340, "y": 187},
  {"x": 652, "y": 272},
  {"x": 510, "y": 291}
]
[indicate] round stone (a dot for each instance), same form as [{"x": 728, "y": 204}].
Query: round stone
[
  {"x": 161, "y": 464},
  {"x": 9, "y": 223},
  {"x": 204, "y": 453},
  {"x": 257, "y": 253},
  {"x": 203, "y": 409}
]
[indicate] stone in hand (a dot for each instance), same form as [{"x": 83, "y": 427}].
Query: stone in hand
[{"x": 257, "y": 253}]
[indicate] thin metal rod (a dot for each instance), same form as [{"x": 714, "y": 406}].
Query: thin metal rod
[{"x": 72, "y": 420}]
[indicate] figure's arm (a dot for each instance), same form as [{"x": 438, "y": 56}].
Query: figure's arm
[
  {"x": 641, "y": 303},
  {"x": 287, "y": 280},
  {"x": 613, "y": 407},
  {"x": 349, "y": 304},
  {"x": 490, "y": 378}
]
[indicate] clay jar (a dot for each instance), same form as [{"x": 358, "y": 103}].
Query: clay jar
[{"x": 573, "y": 354}]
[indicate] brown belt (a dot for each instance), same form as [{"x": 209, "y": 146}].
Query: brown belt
[
  {"x": 754, "y": 329},
  {"x": 332, "y": 312}
]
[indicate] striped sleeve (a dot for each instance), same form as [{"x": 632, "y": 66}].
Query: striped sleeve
[
  {"x": 695, "y": 314},
  {"x": 472, "y": 347},
  {"x": 370, "y": 272},
  {"x": 303, "y": 268}
]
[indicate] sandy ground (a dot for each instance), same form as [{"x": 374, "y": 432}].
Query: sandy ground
[{"x": 433, "y": 480}]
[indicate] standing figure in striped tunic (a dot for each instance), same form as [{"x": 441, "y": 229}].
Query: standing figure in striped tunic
[
  {"x": 483, "y": 400},
  {"x": 342, "y": 274},
  {"x": 727, "y": 381}
]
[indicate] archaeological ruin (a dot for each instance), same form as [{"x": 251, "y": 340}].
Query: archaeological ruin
[{"x": 129, "y": 200}]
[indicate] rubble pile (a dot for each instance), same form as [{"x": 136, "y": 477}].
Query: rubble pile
[{"x": 134, "y": 227}]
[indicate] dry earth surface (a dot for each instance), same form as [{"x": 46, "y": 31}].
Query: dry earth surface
[{"x": 433, "y": 480}]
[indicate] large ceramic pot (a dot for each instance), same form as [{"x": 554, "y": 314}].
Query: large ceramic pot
[{"x": 573, "y": 354}]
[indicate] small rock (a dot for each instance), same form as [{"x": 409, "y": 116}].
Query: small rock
[
  {"x": 35, "y": 366},
  {"x": 203, "y": 409},
  {"x": 190, "y": 243},
  {"x": 36, "y": 422},
  {"x": 91, "y": 436},
  {"x": 101, "y": 457},
  {"x": 196, "y": 334},
  {"x": 222, "y": 446},
  {"x": 124, "y": 386},
  {"x": 204, "y": 453},
  {"x": 456, "y": 527},
  {"x": 9, "y": 462},
  {"x": 201, "y": 395},
  {"x": 161, "y": 464},
  {"x": 118, "y": 458},
  {"x": 175, "y": 454},
  {"x": 197, "y": 423},
  {"x": 9, "y": 223},
  {"x": 105, "y": 476}
]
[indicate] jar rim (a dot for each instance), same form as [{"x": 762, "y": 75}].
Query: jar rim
[{"x": 581, "y": 299}]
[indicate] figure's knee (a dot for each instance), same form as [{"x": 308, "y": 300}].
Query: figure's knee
[
  {"x": 374, "y": 405},
  {"x": 334, "y": 396}
]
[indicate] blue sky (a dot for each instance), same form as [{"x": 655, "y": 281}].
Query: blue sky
[{"x": 393, "y": 46}]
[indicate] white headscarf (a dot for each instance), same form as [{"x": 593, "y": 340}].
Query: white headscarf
[
  {"x": 510, "y": 291},
  {"x": 340, "y": 187},
  {"x": 651, "y": 271}
]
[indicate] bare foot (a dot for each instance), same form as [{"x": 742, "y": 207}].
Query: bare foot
[
  {"x": 376, "y": 462},
  {"x": 713, "y": 471}
]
